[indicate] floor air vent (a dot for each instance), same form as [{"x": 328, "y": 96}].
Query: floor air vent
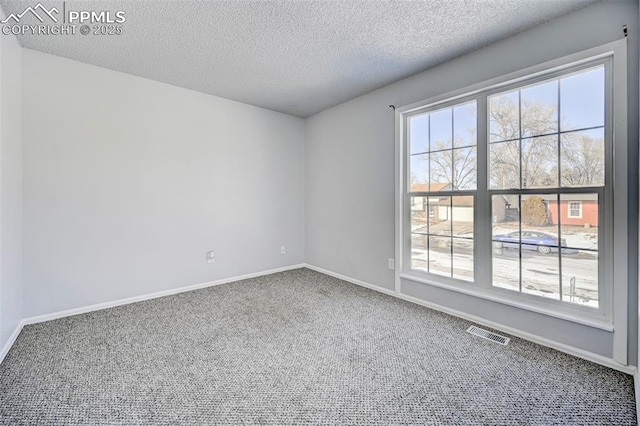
[{"x": 486, "y": 334}]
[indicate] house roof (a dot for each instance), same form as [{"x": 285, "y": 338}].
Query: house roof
[
  {"x": 551, "y": 198},
  {"x": 458, "y": 200}
]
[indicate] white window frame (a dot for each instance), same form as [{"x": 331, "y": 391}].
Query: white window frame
[
  {"x": 570, "y": 209},
  {"x": 614, "y": 293}
]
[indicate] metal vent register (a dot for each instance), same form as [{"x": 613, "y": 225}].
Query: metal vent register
[{"x": 486, "y": 334}]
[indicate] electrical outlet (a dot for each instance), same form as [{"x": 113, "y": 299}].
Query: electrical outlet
[
  {"x": 392, "y": 263},
  {"x": 211, "y": 257},
  {"x": 283, "y": 250}
]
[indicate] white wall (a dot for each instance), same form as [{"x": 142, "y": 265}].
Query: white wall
[
  {"x": 350, "y": 168},
  {"x": 10, "y": 187},
  {"x": 128, "y": 182}
]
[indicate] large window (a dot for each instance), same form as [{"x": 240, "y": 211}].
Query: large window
[{"x": 505, "y": 189}]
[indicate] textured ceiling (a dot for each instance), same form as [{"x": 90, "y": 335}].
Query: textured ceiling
[{"x": 297, "y": 57}]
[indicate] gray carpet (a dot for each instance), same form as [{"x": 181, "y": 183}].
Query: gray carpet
[{"x": 294, "y": 348}]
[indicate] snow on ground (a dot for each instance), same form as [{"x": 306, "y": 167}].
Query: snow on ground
[
  {"x": 575, "y": 236},
  {"x": 540, "y": 272}
]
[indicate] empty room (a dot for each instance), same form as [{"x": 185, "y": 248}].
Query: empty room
[{"x": 322, "y": 212}]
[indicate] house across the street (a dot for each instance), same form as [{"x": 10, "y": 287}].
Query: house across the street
[{"x": 575, "y": 209}]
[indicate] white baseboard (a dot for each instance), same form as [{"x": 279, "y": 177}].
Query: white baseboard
[
  {"x": 577, "y": 352},
  {"x": 351, "y": 280},
  {"x": 100, "y": 306},
  {"x": 11, "y": 341}
]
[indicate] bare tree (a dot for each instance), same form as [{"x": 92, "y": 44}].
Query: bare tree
[
  {"x": 530, "y": 160},
  {"x": 524, "y": 151},
  {"x": 454, "y": 166},
  {"x": 504, "y": 119},
  {"x": 582, "y": 160}
]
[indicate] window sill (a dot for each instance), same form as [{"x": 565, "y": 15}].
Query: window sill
[{"x": 529, "y": 306}]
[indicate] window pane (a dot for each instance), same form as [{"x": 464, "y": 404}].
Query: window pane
[
  {"x": 440, "y": 222},
  {"x": 582, "y": 158},
  {"x": 539, "y": 245},
  {"x": 464, "y": 168},
  {"x": 463, "y": 259},
  {"x": 419, "y": 219},
  {"x": 506, "y": 268},
  {"x": 441, "y": 129},
  {"x": 505, "y": 212},
  {"x": 506, "y": 241},
  {"x": 440, "y": 255},
  {"x": 539, "y": 109},
  {"x": 582, "y": 100},
  {"x": 579, "y": 231},
  {"x": 504, "y": 169},
  {"x": 580, "y": 278},
  {"x": 540, "y": 162},
  {"x": 419, "y": 229},
  {"x": 419, "y": 173},
  {"x": 441, "y": 170},
  {"x": 539, "y": 233},
  {"x": 419, "y": 252},
  {"x": 419, "y": 133},
  {"x": 464, "y": 125},
  {"x": 504, "y": 117},
  {"x": 462, "y": 216},
  {"x": 540, "y": 273}
]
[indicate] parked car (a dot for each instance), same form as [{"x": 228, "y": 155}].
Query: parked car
[{"x": 531, "y": 240}]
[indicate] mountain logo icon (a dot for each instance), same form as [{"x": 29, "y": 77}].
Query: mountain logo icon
[{"x": 38, "y": 11}]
